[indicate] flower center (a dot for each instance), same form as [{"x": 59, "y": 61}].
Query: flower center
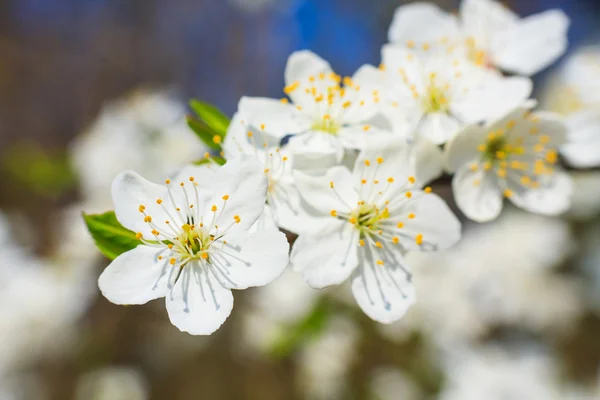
[
  {"x": 194, "y": 242},
  {"x": 366, "y": 217},
  {"x": 327, "y": 125},
  {"x": 435, "y": 99},
  {"x": 476, "y": 55}
]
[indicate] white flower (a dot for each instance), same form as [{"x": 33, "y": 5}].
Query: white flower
[
  {"x": 574, "y": 91},
  {"x": 371, "y": 217},
  {"x": 514, "y": 157},
  {"x": 486, "y": 32},
  {"x": 145, "y": 131},
  {"x": 196, "y": 242},
  {"x": 435, "y": 96},
  {"x": 493, "y": 373},
  {"x": 243, "y": 137},
  {"x": 324, "y": 117}
]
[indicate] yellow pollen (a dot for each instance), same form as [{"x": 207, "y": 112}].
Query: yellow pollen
[
  {"x": 346, "y": 104},
  {"x": 172, "y": 261},
  {"x": 226, "y": 197},
  {"x": 367, "y": 163},
  {"x": 412, "y": 179},
  {"x": 139, "y": 235},
  {"x": 249, "y": 134},
  {"x": 525, "y": 180},
  {"x": 214, "y": 208},
  {"x": 170, "y": 246},
  {"x": 155, "y": 232},
  {"x": 419, "y": 239},
  {"x": 217, "y": 139},
  {"x": 331, "y": 185},
  {"x": 400, "y": 225},
  {"x": 142, "y": 209},
  {"x": 168, "y": 181},
  {"x": 379, "y": 160},
  {"x": 182, "y": 184},
  {"x": 408, "y": 195},
  {"x": 364, "y": 181},
  {"x": 380, "y": 262},
  {"x": 551, "y": 157},
  {"x": 502, "y": 173},
  {"x": 538, "y": 148},
  {"x": 378, "y": 245},
  {"x": 366, "y": 127},
  {"x": 481, "y": 147},
  {"x": 158, "y": 201},
  {"x": 204, "y": 255},
  {"x": 147, "y": 218},
  {"x": 284, "y": 158},
  {"x": 333, "y": 213},
  {"x": 428, "y": 189},
  {"x": 411, "y": 216},
  {"x": 395, "y": 239},
  {"x": 186, "y": 227},
  {"x": 390, "y": 180},
  {"x": 544, "y": 139},
  {"x": 192, "y": 179},
  {"x": 237, "y": 219},
  {"x": 284, "y": 100},
  {"x": 473, "y": 167},
  {"x": 290, "y": 88},
  {"x": 508, "y": 193},
  {"x": 361, "y": 242},
  {"x": 262, "y": 127},
  {"x": 353, "y": 221},
  {"x": 410, "y": 44},
  {"x": 160, "y": 258},
  {"x": 266, "y": 171}
]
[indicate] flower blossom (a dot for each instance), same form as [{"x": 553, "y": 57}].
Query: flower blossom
[
  {"x": 515, "y": 157},
  {"x": 325, "y": 112},
  {"x": 486, "y": 32},
  {"x": 198, "y": 242},
  {"x": 436, "y": 96},
  {"x": 371, "y": 217}
]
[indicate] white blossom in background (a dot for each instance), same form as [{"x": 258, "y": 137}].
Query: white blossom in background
[
  {"x": 389, "y": 383},
  {"x": 434, "y": 97},
  {"x": 500, "y": 273},
  {"x": 574, "y": 91},
  {"x": 145, "y": 131},
  {"x": 113, "y": 383},
  {"x": 369, "y": 219},
  {"x": 486, "y": 32},
  {"x": 197, "y": 242},
  {"x": 324, "y": 363},
  {"x": 245, "y": 137},
  {"x": 514, "y": 157},
  {"x": 494, "y": 373},
  {"x": 325, "y": 113},
  {"x": 275, "y": 309}
]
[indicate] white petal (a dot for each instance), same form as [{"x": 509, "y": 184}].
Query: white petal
[
  {"x": 249, "y": 260},
  {"x": 492, "y": 99},
  {"x": 303, "y": 64},
  {"x": 236, "y": 140},
  {"x": 286, "y": 205},
  {"x": 532, "y": 44},
  {"x": 482, "y": 18},
  {"x": 582, "y": 149},
  {"x": 129, "y": 191},
  {"x": 315, "y": 151},
  {"x": 427, "y": 160},
  {"x": 463, "y": 147},
  {"x": 136, "y": 277},
  {"x": 276, "y": 117},
  {"x": 244, "y": 181},
  {"x": 477, "y": 194},
  {"x": 317, "y": 192},
  {"x": 433, "y": 219},
  {"x": 362, "y": 106},
  {"x": 198, "y": 304},
  {"x": 421, "y": 23},
  {"x": 329, "y": 258},
  {"x": 383, "y": 292},
  {"x": 552, "y": 198},
  {"x": 438, "y": 127}
]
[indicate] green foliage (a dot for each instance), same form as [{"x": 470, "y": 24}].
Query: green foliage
[
  {"x": 219, "y": 160},
  {"x": 305, "y": 330},
  {"x": 111, "y": 238},
  {"x": 209, "y": 123},
  {"x": 43, "y": 173}
]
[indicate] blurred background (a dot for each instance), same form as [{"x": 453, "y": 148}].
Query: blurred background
[{"x": 89, "y": 88}]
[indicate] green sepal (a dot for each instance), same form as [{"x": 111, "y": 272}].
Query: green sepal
[
  {"x": 211, "y": 116},
  {"x": 219, "y": 160},
  {"x": 204, "y": 133}
]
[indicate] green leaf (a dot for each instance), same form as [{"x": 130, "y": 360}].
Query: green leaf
[
  {"x": 111, "y": 238},
  {"x": 308, "y": 328},
  {"x": 219, "y": 160},
  {"x": 211, "y": 115},
  {"x": 204, "y": 133}
]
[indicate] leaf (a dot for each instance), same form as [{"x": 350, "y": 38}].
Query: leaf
[
  {"x": 111, "y": 238},
  {"x": 305, "y": 330},
  {"x": 219, "y": 160},
  {"x": 211, "y": 115},
  {"x": 204, "y": 133}
]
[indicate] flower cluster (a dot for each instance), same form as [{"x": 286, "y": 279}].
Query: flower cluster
[{"x": 344, "y": 163}]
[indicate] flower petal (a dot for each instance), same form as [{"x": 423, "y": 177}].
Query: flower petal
[
  {"x": 482, "y": 18},
  {"x": 477, "y": 194},
  {"x": 581, "y": 149},
  {"x": 438, "y": 127},
  {"x": 315, "y": 151},
  {"x": 130, "y": 191},
  {"x": 532, "y": 44},
  {"x": 463, "y": 147},
  {"x": 318, "y": 193},
  {"x": 304, "y": 69},
  {"x": 198, "y": 304},
  {"x": 383, "y": 292},
  {"x": 427, "y": 160},
  {"x": 421, "y": 23},
  {"x": 327, "y": 258},
  {"x": 136, "y": 277},
  {"x": 270, "y": 116},
  {"x": 249, "y": 260},
  {"x": 552, "y": 198},
  {"x": 244, "y": 182}
]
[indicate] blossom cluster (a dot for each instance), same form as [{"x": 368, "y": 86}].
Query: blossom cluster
[{"x": 344, "y": 163}]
